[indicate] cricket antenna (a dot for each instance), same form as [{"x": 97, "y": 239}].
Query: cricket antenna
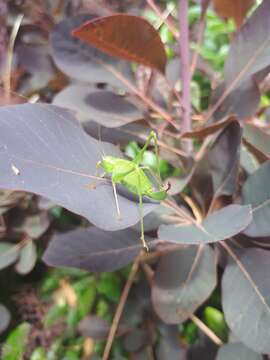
[{"x": 100, "y": 142}]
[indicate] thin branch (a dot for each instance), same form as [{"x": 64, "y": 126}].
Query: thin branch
[
  {"x": 245, "y": 273},
  {"x": 185, "y": 71},
  {"x": 120, "y": 307},
  {"x": 205, "y": 329},
  {"x": 155, "y": 107},
  {"x": 13, "y": 35},
  {"x": 163, "y": 17},
  {"x": 195, "y": 56}
]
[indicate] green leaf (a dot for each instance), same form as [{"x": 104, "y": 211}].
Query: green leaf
[
  {"x": 39, "y": 354},
  {"x": 109, "y": 285},
  {"x": 16, "y": 343},
  {"x": 214, "y": 319}
]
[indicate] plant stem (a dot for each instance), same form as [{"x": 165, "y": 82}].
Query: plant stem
[
  {"x": 120, "y": 307},
  {"x": 205, "y": 329},
  {"x": 185, "y": 71}
]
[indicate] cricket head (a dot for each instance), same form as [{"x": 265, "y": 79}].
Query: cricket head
[{"x": 107, "y": 163}]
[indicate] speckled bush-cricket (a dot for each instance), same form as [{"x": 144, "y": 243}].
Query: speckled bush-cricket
[{"x": 132, "y": 175}]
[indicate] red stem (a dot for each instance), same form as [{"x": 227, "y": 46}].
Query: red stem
[{"x": 185, "y": 69}]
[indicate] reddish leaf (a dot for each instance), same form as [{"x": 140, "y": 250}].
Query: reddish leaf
[
  {"x": 235, "y": 9},
  {"x": 127, "y": 37},
  {"x": 202, "y": 132}
]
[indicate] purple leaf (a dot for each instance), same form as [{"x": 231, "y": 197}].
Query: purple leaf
[
  {"x": 246, "y": 298},
  {"x": 82, "y": 61},
  {"x": 93, "y": 249},
  {"x": 102, "y": 106},
  {"x": 183, "y": 280},
  {"x": 256, "y": 192},
  {"x": 44, "y": 150},
  {"x": 218, "y": 226}
]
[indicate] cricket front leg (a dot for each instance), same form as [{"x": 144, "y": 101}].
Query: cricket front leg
[{"x": 139, "y": 157}]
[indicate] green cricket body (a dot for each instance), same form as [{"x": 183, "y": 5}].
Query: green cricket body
[{"x": 132, "y": 176}]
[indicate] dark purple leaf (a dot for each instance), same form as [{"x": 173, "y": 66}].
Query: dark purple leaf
[
  {"x": 256, "y": 192},
  {"x": 130, "y": 132},
  {"x": 36, "y": 62},
  {"x": 237, "y": 351},
  {"x": 247, "y": 161},
  {"x": 93, "y": 249},
  {"x": 246, "y": 298},
  {"x": 242, "y": 102},
  {"x": 44, "y": 150},
  {"x": 136, "y": 340},
  {"x": 79, "y": 60},
  {"x": 33, "y": 225},
  {"x": 250, "y": 49},
  {"x": 216, "y": 173},
  {"x": 258, "y": 138},
  {"x": 218, "y": 226},
  {"x": 97, "y": 328},
  {"x": 202, "y": 132},
  {"x": 224, "y": 159},
  {"x": 183, "y": 280},
  {"x": 169, "y": 344},
  {"x": 204, "y": 349},
  {"x": 102, "y": 106}
]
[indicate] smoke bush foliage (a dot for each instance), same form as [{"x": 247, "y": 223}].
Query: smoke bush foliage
[{"x": 210, "y": 236}]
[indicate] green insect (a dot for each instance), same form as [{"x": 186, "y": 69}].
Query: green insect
[{"x": 133, "y": 177}]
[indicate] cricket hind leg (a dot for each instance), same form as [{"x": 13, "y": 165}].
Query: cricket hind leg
[
  {"x": 145, "y": 246},
  {"x": 116, "y": 200}
]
